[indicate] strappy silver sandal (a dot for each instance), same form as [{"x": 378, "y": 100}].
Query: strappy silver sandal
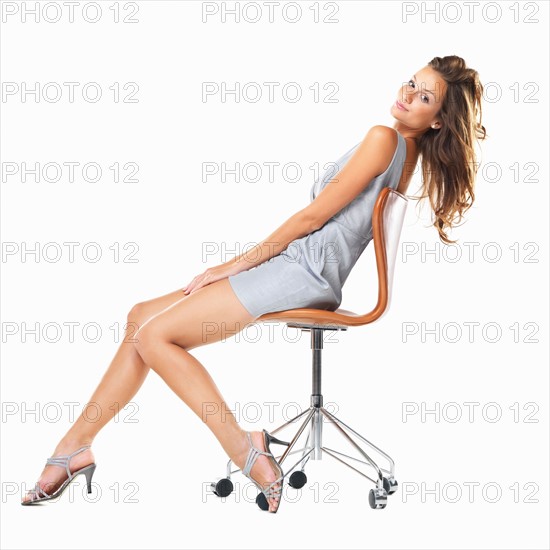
[
  {"x": 270, "y": 491},
  {"x": 39, "y": 495}
]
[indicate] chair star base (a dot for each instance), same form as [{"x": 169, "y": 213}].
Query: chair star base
[{"x": 315, "y": 418}]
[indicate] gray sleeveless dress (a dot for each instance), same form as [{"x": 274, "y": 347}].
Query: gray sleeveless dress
[{"x": 312, "y": 270}]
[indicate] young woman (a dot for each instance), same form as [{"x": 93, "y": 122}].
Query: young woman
[{"x": 435, "y": 116}]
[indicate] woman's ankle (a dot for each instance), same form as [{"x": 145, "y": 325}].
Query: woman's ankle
[
  {"x": 74, "y": 442},
  {"x": 240, "y": 450}
]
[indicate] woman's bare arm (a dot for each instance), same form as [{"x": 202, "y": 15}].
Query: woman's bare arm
[
  {"x": 298, "y": 225},
  {"x": 371, "y": 159}
]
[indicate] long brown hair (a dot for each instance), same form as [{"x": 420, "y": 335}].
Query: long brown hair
[{"x": 448, "y": 163}]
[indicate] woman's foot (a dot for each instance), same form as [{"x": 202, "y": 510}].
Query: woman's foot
[
  {"x": 262, "y": 471},
  {"x": 52, "y": 476}
]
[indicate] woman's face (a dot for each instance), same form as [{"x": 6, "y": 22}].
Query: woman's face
[{"x": 421, "y": 99}]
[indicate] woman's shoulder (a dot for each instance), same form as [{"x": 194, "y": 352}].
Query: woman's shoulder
[
  {"x": 384, "y": 138},
  {"x": 383, "y": 131},
  {"x": 384, "y": 141}
]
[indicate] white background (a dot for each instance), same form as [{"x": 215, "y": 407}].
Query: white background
[{"x": 367, "y": 52}]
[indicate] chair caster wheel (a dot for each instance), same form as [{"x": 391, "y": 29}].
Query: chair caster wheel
[
  {"x": 378, "y": 498},
  {"x": 297, "y": 479},
  {"x": 261, "y": 501},
  {"x": 222, "y": 487},
  {"x": 390, "y": 485}
]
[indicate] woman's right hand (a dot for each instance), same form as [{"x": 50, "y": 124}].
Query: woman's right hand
[{"x": 209, "y": 276}]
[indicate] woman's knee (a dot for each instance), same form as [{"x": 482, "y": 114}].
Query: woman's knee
[
  {"x": 139, "y": 314},
  {"x": 136, "y": 313},
  {"x": 135, "y": 319},
  {"x": 148, "y": 339}
]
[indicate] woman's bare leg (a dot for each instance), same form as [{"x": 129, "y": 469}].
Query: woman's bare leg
[
  {"x": 206, "y": 316},
  {"x": 119, "y": 384},
  {"x": 124, "y": 376}
]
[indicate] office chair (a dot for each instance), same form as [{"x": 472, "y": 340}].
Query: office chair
[{"x": 387, "y": 222}]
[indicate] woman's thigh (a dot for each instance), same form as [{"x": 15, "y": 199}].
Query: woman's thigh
[
  {"x": 208, "y": 315},
  {"x": 142, "y": 311}
]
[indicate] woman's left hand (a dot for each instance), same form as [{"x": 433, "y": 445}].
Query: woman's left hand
[{"x": 210, "y": 275}]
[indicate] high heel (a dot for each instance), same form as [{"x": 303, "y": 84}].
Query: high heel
[
  {"x": 273, "y": 439},
  {"x": 270, "y": 491},
  {"x": 63, "y": 460}
]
